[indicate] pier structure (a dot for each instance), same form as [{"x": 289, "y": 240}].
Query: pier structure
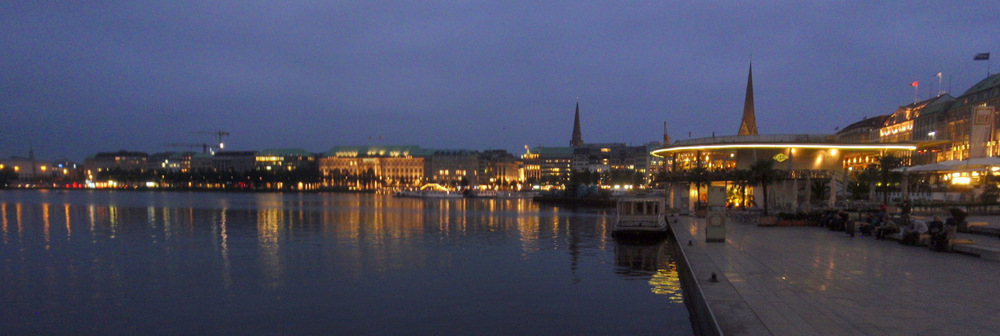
[{"x": 813, "y": 281}]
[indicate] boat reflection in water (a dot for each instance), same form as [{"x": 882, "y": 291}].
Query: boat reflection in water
[{"x": 649, "y": 257}]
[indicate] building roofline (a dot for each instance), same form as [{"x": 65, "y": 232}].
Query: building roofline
[{"x": 776, "y": 141}]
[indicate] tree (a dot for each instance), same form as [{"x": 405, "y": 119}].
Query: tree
[
  {"x": 741, "y": 180},
  {"x": 700, "y": 177},
  {"x": 990, "y": 194},
  {"x": 762, "y": 173},
  {"x": 862, "y": 183},
  {"x": 818, "y": 189},
  {"x": 887, "y": 174}
]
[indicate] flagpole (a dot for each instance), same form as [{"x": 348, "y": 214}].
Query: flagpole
[
  {"x": 915, "y": 87},
  {"x": 939, "y": 83}
]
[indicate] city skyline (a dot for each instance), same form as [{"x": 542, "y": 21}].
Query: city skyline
[{"x": 82, "y": 79}]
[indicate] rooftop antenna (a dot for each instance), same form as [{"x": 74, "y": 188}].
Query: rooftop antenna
[{"x": 940, "y": 91}]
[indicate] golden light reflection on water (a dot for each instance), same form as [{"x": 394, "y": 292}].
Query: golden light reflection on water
[
  {"x": 3, "y": 223},
  {"x": 371, "y": 232},
  {"x": 113, "y": 220},
  {"x": 667, "y": 282},
  {"x": 92, "y": 220},
  {"x": 168, "y": 225},
  {"x": 269, "y": 221},
  {"x": 640, "y": 259},
  {"x": 46, "y": 235},
  {"x": 227, "y": 276},
  {"x": 20, "y": 223},
  {"x": 69, "y": 229}
]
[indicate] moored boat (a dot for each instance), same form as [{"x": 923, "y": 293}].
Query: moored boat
[
  {"x": 427, "y": 194},
  {"x": 640, "y": 215}
]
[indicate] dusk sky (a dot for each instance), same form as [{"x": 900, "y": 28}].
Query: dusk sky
[{"x": 81, "y": 77}]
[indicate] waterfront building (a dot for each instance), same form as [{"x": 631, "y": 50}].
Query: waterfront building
[
  {"x": 801, "y": 161},
  {"x": 499, "y": 168},
  {"x": 456, "y": 168},
  {"x": 234, "y": 161},
  {"x": 373, "y": 167},
  {"x": 121, "y": 160},
  {"x": 866, "y": 130},
  {"x": 600, "y": 162},
  {"x": 170, "y": 161},
  {"x": 284, "y": 159},
  {"x": 32, "y": 171},
  {"x": 548, "y": 165},
  {"x": 626, "y": 165},
  {"x": 956, "y": 125}
]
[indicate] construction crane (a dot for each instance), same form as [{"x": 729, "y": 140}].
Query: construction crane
[
  {"x": 204, "y": 146},
  {"x": 217, "y": 133}
]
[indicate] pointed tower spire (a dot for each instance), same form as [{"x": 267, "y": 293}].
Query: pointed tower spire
[
  {"x": 577, "y": 140},
  {"x": 666, "y": 137},
  {"x": 749, "y": 124}
]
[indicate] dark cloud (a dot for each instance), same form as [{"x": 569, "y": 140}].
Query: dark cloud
[{"x": 82, "y": 78}]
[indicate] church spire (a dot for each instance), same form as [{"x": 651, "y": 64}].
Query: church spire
[
  {"x": 666, "y": 137},
  {"x": 577, "y": 140},
  {"x": 749, "y": 124}
]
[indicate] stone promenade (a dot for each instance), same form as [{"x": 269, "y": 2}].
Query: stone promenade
[{"x": 812, "y": 281}]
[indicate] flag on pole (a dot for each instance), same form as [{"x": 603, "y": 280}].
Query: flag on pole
[
  {"x": 981, "y": 57},
  {"x": 914, "y": 84}
]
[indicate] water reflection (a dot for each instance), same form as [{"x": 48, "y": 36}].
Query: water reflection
[
  {"x": 268, "y": 223},
  {"x": 652, "y": 259},
  {"x": 69, "y": 229},
  {"x": 3, "y": 221},
  {"x": 360, "y": 257}
]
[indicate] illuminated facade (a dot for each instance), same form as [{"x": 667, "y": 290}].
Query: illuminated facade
[
  {"x": 170, "y": 162},
  {"x": 453, "y": 167},
  {"x": 548, "y": 165},
  {"x": 616, "y": 157},
  {"x": 800, "y": 159},
  {"x": 284, "y": 159},
  {"x": 28, "y": 169},
  {"x": 500, "y": 168},
  {"x": 866, "y": 130},
  {"x": 373, "y": 167},
  {"x": 952, "y": 126},
  {"x": 120, "y": 160},
  {"x": 234, "y": 161}
]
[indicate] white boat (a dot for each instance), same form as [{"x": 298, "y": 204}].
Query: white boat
[
  {"x": 427, "y": 194},
  {"x": 483, "y": 194},
  {"x": 640, "y": 215}
]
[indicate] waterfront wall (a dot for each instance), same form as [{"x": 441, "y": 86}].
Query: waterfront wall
[{"x": 703, "y": 320}]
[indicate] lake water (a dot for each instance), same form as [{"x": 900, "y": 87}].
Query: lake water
[{"x": 111, "y": 262}]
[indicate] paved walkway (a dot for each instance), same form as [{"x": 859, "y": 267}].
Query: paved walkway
[{"x": 812, "y": 281}]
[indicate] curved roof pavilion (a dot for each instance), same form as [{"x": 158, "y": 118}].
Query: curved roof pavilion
[{"x": 791, "y": 151}]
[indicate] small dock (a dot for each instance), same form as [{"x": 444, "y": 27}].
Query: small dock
[{"x": 813, "y": 281}]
